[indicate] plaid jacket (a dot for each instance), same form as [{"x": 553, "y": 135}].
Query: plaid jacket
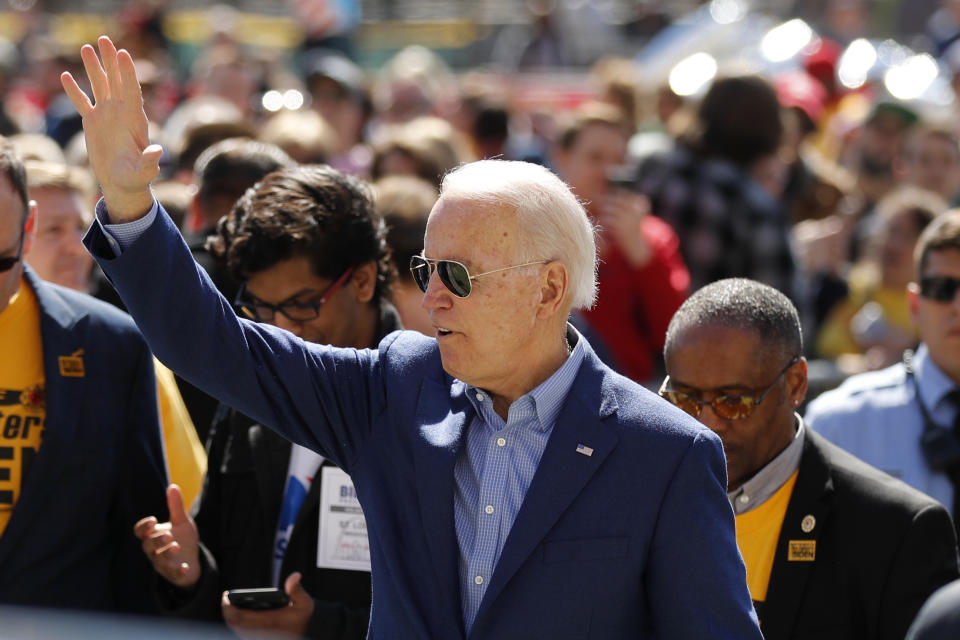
[{"x": 727, "y": 225}]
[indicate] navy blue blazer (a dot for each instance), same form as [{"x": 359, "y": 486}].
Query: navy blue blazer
[
  {"x": 69, "y": 542},
  {"x": 633, "y": 541}
]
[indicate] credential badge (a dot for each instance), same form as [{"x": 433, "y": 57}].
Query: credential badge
[{"x": 801, "y": 550}]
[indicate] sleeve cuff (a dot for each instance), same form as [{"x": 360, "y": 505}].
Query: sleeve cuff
[{"x": 122, "y": 235}]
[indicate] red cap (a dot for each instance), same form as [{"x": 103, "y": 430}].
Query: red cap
[
  {"x": 799, "y": 89},
  {"x": 821, "y": 62}
]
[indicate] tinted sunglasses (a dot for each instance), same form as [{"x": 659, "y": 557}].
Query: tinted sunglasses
[
  {"x": 295, "y": 311},
  {"x": 729, "y": 406},
  {"x": 453, "y": 274},
  {"x": 939, "y": 288},
  {"x": 7, "y": 262}
]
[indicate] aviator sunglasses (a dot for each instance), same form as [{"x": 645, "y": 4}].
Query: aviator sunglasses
[
  {"x": 728, "y": 406},
  {"x": 454, "y": 275},
  {"x": 939, "y": 288}
]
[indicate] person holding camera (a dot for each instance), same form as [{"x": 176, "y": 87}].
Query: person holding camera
[
  {"x": 641, "y": 275},
  {"x": 905, "y": 419}
]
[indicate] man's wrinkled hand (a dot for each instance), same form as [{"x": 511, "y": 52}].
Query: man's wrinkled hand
[
  {"x": 172, "y": 547},
  {"x": 115, "y": 129},
  {"x": 292, "y": 619}
]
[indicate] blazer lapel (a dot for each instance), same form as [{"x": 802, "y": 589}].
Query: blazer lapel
[
  {"x": 562, "y": 473},
  {"x": 62, "y": 335},
  {"x": 443, "y": 415},
  {"x": 812, "y": 496}
]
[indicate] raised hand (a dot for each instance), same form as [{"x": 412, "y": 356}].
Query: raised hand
[
  {"x": 292, "y": 619},
  {"x": 172, "y": 547},
  {"x": 115, "y": 128}
]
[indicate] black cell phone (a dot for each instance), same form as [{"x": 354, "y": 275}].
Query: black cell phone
[
  {"x": 258, "y": 599},
  {"x": 622, "y": 176}
]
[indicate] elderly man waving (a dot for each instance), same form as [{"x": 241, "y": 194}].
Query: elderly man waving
[{"x": 513, "y": 485}]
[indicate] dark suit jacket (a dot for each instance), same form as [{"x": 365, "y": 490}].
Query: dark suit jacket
[
  {"x": 237, "y": 533},
  {"x": 634, "y": 541},
  {"x": 881, "y": 549},
  {"x": 99, "y": 469}
]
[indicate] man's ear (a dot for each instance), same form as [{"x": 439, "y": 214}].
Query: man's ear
[
  {"x": 30, "y": 228},
  {"x": 554, "y": 287},
  {"x": 363, "y": 282},
  {"x": 913, "y": 301},
  {"x": 797, "y": 382}
]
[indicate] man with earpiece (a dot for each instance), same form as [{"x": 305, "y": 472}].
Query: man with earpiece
[{"x": 906, "y": 419}]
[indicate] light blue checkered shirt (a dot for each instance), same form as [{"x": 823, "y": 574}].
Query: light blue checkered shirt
[
  {"x": 122, "y": 234},
  {"x": 494, "y": 471}
]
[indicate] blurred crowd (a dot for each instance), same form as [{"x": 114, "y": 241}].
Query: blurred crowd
[
  {"x": 786, "y": 172},
  {"x": 779, "y": 172}
]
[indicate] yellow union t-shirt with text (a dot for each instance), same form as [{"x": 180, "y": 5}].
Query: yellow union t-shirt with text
[{"x": 22, "y": 399}]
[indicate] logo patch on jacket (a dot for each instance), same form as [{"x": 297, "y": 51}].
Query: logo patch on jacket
[{"x": 71, "y": 366}]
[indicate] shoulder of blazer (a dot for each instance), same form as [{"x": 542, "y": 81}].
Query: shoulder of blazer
[
  {"x": 815, "y": 464},
  {"x": 67, "y": 308},
  {"x": 410, "y": 353},
  {"x": 869, "y": 485},
  {"x": 639, "y": 415},
  {"x": 642, "y": 411}
]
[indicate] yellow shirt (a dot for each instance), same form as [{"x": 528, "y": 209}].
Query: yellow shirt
[
  {"x": 23, "y": 410},
  {"x": 758, "y": 531},
  {"x": 186, "y": 459},
  {"x": 22, "y": 404}
]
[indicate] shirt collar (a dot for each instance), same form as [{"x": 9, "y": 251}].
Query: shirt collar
[
  {"x": 932, "y": 383},
  {"x": 770, "y": 478},
  {"x": 548, "y": 396}
]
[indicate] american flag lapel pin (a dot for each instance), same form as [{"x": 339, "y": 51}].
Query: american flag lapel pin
[{"x": 585, "y": 450}]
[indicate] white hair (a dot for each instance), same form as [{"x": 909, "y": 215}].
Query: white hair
[{"x": 555, "y": 224}]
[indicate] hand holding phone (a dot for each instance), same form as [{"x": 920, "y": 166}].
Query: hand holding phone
[
  {"x": 251, "y": 612},
  {"x": 261, "y": 599},
  {"x": 622, "y": 176}
]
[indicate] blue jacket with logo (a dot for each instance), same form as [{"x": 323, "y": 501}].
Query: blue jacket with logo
[{"x": 100, "y": 467}]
